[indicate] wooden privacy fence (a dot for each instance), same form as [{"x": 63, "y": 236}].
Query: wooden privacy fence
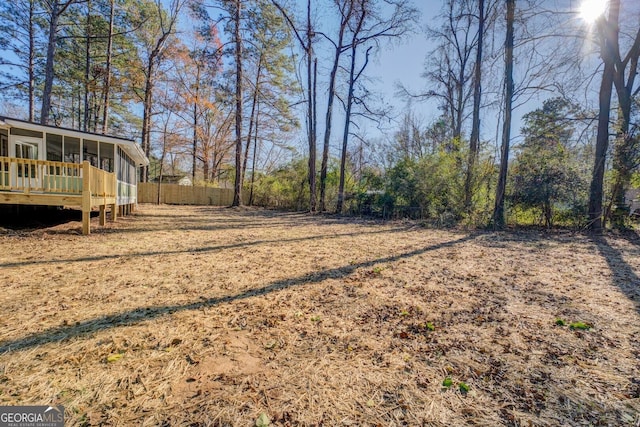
[{"x": 174, "y": 194}]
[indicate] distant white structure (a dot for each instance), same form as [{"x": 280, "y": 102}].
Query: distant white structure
[
  {"x": 175, "y": 179},
  {"x": 633, "y": 198}
]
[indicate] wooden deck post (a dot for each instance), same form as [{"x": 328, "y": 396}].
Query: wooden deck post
[
  {"x": 103, "y": 215},
  {"x": 86, "y": 197},
  {"x": 114, "y": 206}
]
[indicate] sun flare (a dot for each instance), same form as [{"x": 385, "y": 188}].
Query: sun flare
[{"x": 591, "y": 10}]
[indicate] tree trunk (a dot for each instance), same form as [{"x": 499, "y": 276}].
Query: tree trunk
[
  {"x": 150, "y": 81},
  {"x": 57, "y": 10},
  {"x": 237, "y": 194},
  {"x": 345, "y": 135},
  {"x": 32, "y": 60},
  {"x": 474, "y": 140},
  {"x": 48, "y": 72},
  {"x": 624, "y": 156},
  {"x": 327, "y": 132},
  {"x": 206, "y": 172},
  {"x": 498, "y": 211},
  {"x": 252, "y": 118},
  {"x": 623, "y": 163},
  {"x": 311, "y": 113},
  {"x": 307, "y": 46},
  {"x": 255, "y": 157},
  {"x": 457, "y": 126},
  {"x": 146, "y": 119},
  {"x": 87, "y": 70},
  {"x": 107, "y": 78},
  {"x": 596, "y": 193},
  {"x": 96, "y": 108},
  {"x": 353, "y": 78},
  {"x": 329, "y": 113},
  {"x": 194, "y": 148},
  {"x": 162, "y": 157}
]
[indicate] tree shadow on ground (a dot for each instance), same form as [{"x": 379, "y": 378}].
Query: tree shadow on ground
[
  {"x": 199, "y": 249},
  {"x": 623, "y": 274},
  {"x": 204, "y": 218},
  {"x": 141, "y": 314}
]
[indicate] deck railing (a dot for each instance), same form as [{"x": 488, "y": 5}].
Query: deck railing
[
  {"x": 43, "y": 176},
  {"x": 101, "y": 183},
  {"x": 43, "y": 182}
]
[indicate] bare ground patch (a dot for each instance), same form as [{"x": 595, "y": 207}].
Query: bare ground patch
[{"x": 212, "y": 316}]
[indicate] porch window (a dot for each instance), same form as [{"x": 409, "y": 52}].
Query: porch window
[
  {"x": 4, "y": 152},
  {"x": 25, "y": 150},
  {"x": 4, "y": 144}
]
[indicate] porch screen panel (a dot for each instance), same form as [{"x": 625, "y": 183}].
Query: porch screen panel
[
  {"x": 71, "y": 149},
  {"x": 106, "y": 156},
  {"x": 4, "y": 144},
  {"x": 126, "y": 168},
  {"x": 90, "y": 151},
  {"x": 121, "y": 165},
  {"x": 133, "y": 177},
  {"x": 4, "y": 152},
  {"x": 54, "y": 147}
]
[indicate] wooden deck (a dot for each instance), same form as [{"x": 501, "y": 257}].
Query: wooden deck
[{"x": 42, "y": 182}]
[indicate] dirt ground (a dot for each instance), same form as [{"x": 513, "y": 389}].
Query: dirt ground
[{"x": 200, "y": 316}]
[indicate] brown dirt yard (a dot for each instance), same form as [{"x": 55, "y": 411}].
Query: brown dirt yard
[{"x": 201, "y": 316}]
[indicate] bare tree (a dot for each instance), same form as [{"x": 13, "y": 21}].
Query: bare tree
[
  {"x": 345, "y": 9},
  {"x": 237, "y": 192},
  {"x": 498, "y": 211},
  {"x": 155, "y": 34},
  {"x": 474, "y": 139},
  {"x": 369, "y": 26},
  {"x": 354, "y": 76},
  {"x": 311, "y": 85},
  {"x": 306, "y": 43},
  {"x": 87, "y": 68},
  {"x": 106, "y": 90},
  {"x": 452, "y": 62},
  {"x": 625, "y": 156},
  {"x": 608, "y": 39}
]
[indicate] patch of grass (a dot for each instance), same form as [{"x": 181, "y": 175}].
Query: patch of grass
[
  {"x": 581, "y": 326},
  {"x": 430, "y": 326},
  {"x": 463, "y": 387},
  {"x": 447, "y": 382},
  {"x": 560, "y": 322}
]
